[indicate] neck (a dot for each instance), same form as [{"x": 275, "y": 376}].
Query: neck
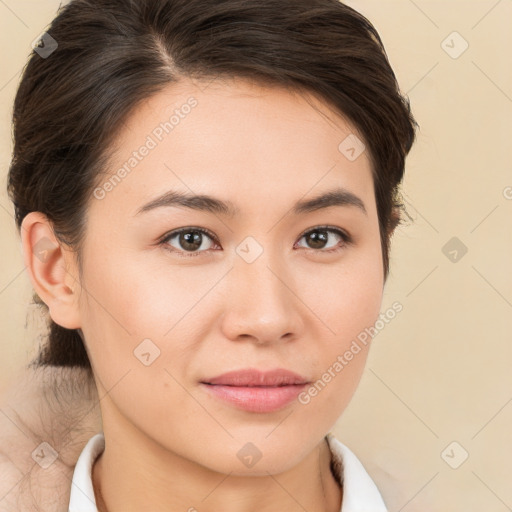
[{"x": 165, "y": 481}]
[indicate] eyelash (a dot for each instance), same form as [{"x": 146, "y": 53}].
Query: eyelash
[{"x": 346, "y": 240}]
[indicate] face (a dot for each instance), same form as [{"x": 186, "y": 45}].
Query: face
[{"x": 271, "y": 286}]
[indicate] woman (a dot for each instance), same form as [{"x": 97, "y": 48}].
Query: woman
[{"x": 206, "y": 193}]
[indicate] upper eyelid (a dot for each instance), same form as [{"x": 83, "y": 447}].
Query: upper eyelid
[
  {"x": 190, "y": 228},
  {"x": 326, "y": 228}
]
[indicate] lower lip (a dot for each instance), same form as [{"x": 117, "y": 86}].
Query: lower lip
[{"x": 256, "y": 399}]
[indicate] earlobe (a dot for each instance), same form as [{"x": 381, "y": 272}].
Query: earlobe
[{"x": 50, "y": 269}]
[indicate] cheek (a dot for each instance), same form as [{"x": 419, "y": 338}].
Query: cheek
[
  {"x": 347, "y": 296},
  {"x": 348, "y": 309},
  {"x": 119, "y": 309},
  {"x": 348, "y": 304},
  {"x": 134, "y": 298}
]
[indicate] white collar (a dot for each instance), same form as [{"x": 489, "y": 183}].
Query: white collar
[
  {"x": 82, "y": 497},
  {"x": 360, "y": 493}
]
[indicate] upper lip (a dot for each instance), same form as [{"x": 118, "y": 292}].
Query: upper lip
[{"x": 254, "y": 377}]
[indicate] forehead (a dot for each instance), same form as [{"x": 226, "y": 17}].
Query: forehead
[{"x": 235, "y": 138}]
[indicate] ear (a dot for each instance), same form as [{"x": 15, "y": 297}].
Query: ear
[{"x": 51, "y": 269}]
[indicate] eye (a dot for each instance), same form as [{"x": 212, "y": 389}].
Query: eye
[
  {"x": 192, "y": 241},
  {"x": 189, "y": 240},
  {"x": 318, "y": 239}
]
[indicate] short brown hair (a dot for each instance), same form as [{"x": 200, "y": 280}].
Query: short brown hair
[{"x": 112, "y": 54}]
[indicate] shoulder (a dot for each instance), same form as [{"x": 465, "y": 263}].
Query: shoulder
[
  {"x": 35, "y": 488},
  {"x": 46, "y": 418}
]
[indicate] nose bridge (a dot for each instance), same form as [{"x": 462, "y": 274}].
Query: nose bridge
[
  {"x": 258, "y": 270},
  {"x": 260, "y": 301}
]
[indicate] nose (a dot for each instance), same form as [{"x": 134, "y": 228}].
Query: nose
[{"x": 262, "y": 302}]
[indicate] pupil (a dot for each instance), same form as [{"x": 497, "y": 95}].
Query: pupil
[
  {"x": 318, "y": 239},
  {"x": 190, "y": 240}
]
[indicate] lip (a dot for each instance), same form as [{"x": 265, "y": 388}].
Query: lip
[
  {"x": 254, "y": 377},
  {"x": 256, "y": 391}
]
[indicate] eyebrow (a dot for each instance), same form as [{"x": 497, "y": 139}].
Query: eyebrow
[{"x": 206, "y": 203}]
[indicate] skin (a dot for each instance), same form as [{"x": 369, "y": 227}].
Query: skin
[{"x": 263, "y": 149}]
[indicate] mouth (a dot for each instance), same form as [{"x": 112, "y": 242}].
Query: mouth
[
  {"x": 256, "y": 391},
  {"x": 261, "y": 399}
]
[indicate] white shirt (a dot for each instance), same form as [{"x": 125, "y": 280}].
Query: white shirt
[{"x": 360, "y": 493}]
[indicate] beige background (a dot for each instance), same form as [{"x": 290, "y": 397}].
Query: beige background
[{"x": 440, "y": 371}]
